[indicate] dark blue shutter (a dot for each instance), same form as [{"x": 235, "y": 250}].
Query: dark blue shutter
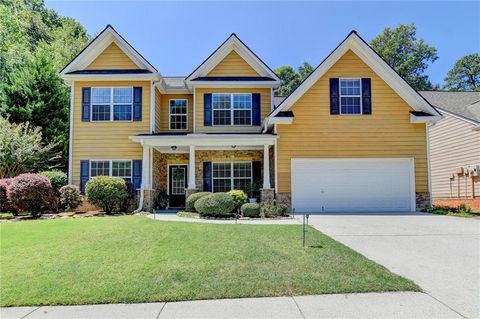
[
  {"x": 137, "y": 103},
  {"x": 207, "y": 109},
  {"x": 257, "y": 171},
  {"x": 84, "y": 174},
  {"x": 207, "y": 176},
  {"x": 137, "y": 174},
  {"x": 334, "y": 96},
  {"x": 256, "y": 109},
  {"x": 86, "y": 104},
  {"x": 366, "y": 96}
]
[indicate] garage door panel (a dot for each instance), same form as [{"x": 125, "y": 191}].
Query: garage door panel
[{"x": 329, "y": 185}]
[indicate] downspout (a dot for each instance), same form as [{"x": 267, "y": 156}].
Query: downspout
[{"x": 429, "y": 170}]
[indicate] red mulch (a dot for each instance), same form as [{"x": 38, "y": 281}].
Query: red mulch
[{"x": 474, "y": 204}]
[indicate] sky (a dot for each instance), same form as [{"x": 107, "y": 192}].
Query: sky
[{"x": 177, "y": 36}]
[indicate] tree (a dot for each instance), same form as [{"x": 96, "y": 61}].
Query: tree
[
  {"x": 408, "y": 55},
  {"x": 465, "y": 74},
  {"x": 22, "y": 150},
  {"x": 291, "y": 79},
  {"x": 35, "y": 43}
]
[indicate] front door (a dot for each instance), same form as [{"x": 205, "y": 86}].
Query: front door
[{"x": 177, "y": 181}]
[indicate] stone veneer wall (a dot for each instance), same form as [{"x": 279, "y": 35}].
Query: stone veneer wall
[{"x": 423, "y": 200}]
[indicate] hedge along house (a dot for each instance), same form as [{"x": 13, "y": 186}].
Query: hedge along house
[{"x": 350, "y": 138}]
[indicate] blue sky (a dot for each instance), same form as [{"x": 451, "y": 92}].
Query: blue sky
[{"x": 177, "y": 36}]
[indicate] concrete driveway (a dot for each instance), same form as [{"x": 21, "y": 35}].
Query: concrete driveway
[{"x": 440, "y": 253}]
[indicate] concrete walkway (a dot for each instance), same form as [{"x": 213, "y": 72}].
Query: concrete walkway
[
  {"x": 372, "y": 305},
  {"x": 175, "y": 218},
  {"x": 440, "y": 253}
]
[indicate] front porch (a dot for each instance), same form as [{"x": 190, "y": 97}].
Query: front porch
[{"x": 180, "y": 165}]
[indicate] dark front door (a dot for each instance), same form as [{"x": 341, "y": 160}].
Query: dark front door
[{"x": 177, "y": 182}]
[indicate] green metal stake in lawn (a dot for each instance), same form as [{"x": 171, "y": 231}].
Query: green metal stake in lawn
[{"x": 304, "y": 227}]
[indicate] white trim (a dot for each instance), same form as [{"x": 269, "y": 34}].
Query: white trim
[
  {"x": 281, "y": 120},
  {"x": 424, "y": 119},
  {"x": 191, "y": 168},
  {"x": 429, "y": 164},
  {"x": 233, "y": 43},
  {"x": 232, "y": 109},
  {"x": 374, "y": 61},
  {"x": 276, "y": 166},
  {"x": 100, "y": 43},
  {"x": 194, "y": 125},
  {"x": 169, "y": 115},
  {"x": 70, "y": 132},
  {"x": 152, "y": 106},
  {"x": 266, "y": 167},
  {"x": 113, "y": 77},
  {"x": 355, "y": 95},
  {"x": 233, "y": 84},
  {"x": 111, "y": 103},
  {"x": 215, "y": 140}
]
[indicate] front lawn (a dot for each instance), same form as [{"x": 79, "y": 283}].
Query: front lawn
[{"x": 136, "y": 259}]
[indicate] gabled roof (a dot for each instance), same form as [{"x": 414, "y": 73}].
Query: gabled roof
[
  {"x": 233, "y": 43},
  {"x": 463, "y": 104},
  {"x": 98, "y": 45},
  {"x": 355, "y": 43}
]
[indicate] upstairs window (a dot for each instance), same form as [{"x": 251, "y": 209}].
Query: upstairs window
[
  {"x": 112, "y": 104},
  {"x": 350, "y": 96},
  {"x": 178, "y": 114},
  {"x": 232, "y": 108}
]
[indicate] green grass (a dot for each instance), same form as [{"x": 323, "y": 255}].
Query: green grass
[
  {"x": 453, "y": 211},
  {"x": 136, "y": 259}
]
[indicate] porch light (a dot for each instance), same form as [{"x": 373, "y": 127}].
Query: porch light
[
  {"x": 233, "y": 146},
  {"x": 173, "y": 148}
]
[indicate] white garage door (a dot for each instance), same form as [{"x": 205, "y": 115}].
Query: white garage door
[{"x": 352, "y": 185}]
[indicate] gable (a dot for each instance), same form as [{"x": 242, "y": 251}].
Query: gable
[
  {"x": 112, "y": 58},
  {"x": 233, "y": 65}
]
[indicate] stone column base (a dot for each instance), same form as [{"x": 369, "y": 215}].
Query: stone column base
[
  {"x": 267, "y": 195},
  {"x": 423, "y": 200},
  {"x": 149, "y": 196},
  {"x": 285, "y": 199}
]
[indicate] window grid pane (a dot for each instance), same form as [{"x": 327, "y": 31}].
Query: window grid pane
[
  {"x": 100, "y": 112},
  {"x": 178, "y": 181},
  {"x": 221, "y": 185},
  {"x": 122, "y": 169},
  {"x": 224, "y": 179},
  {"x": 100, "y": 168},
  {"x": 350, "y": 96},
  {"x": 178, "y": 114},
  {"x": 122, "y": 112}
]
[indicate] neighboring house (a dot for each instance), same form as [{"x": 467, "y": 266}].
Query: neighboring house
[
  {"x": 352, "y": 137},
  {"x": 455, "y": 146}
]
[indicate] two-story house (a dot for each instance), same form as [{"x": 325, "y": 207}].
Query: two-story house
[{"x": 351, "y": 137}]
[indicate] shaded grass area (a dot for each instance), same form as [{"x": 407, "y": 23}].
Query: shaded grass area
[{"x": 136, "y": 259}]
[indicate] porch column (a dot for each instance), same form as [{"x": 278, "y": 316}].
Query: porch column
[
  {"x": 146, "y": 182},
  {"x": 191, "y": 168},
  {"x": 266, "y": 167}
]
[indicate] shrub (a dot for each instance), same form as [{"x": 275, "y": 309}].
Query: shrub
[
  {"x": 270, "y": 210},
  {"x": 192, "y": 199},
  {"x": 126, "y": 204},
  {"x": 70, "y": 197},
  {"x": 250, "y": 210},
  {"x": 57, "y": 178},
  {"x": 31, "y": 192},
  {"x": 215, "y": 205},
  {"x": 161, "y": 201},
  {"x": 239, "y": 197},
  {"x": 5, "y": 204},
  {"x": 106, "y": 192}
]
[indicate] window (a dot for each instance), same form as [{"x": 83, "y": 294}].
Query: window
[
  {"x": 350, "y": 96},
  {"x": 231, "y": 175},
  {"x": 112, "y": 104},
  {"x": 117, "y": 168},
  {"x": 232, "y": 108},
  {"x": 178, "y": 114}
]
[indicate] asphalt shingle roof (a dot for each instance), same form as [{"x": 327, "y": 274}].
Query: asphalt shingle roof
[{"x": 465, "y": 104}]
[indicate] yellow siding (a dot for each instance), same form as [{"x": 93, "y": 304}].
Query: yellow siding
[
  {"x": 233, "y": 65},
  {"x": 265, "y": 97},
  {"x": 158, "y": 100},
  {"x": 386, "y": 133},
  {"x": 106, "y": 140},
  {"x": 112, "y": 58},
  {"x": 164, "y": 112}
]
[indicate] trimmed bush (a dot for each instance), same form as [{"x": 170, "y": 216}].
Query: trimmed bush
[
  {"x": 192, "y": 199},
  {"x": 239, "y": 197},
  {"x": 5, "y": 204},
  {"x": 250, "y": 210},
  {"x": 31, "y": 192},
  {"x": 57, "y": 178},
  {"x": 215, "y": 205},
  {"x": 270, "y": 210},
  {"x": 106, "y": 192},
  {"x": 70, "y": 197}
]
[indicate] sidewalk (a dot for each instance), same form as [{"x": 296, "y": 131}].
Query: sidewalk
[
  {"x": 369, "y": 305},
  {"x": 253, "y": 221}
]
